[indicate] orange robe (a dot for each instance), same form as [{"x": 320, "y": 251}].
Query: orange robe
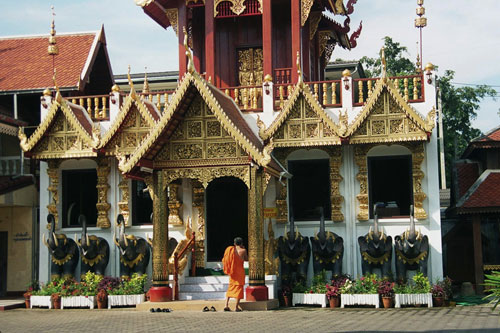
[{"x": 233, "y": 266}]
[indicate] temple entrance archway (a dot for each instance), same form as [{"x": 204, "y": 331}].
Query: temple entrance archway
[{"x": 227, "y": 215}]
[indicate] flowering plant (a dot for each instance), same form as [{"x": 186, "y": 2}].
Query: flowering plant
[
  {"x": 367, "y": 284},
  {"x": 318, "y": 285},
  {"x": 437, "y": 291},
  {"x": 334, "y": 289},
  {"x": 386, "y": 288},
  {"x": 446, "y": 284},
  {"x": 109, "y": 283}
]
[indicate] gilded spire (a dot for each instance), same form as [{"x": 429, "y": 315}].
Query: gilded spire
[
  {"x": 53, "y": 49},
  {"x": 384, "y": 63},
  {"x": 299, "y": 71},
  {"x": 145, "y": 87},
  {"x": 131, "y": 84},
  {"x": 190, "y": 65}
]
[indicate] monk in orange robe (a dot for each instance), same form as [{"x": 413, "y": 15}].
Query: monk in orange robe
[{"x": 234, "y": 256}]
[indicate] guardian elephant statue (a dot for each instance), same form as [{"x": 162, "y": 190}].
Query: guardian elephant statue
[
  {"x": 327, "y": 249},
  {"x": 94, "y": 251},
  {"x": 294, "y": 252},
  {"x": 376, "y": 249},
  {"x": 64, "y": 252},
  {"x": 412, "y": 250},
  {"x": 134, "y": 251}
]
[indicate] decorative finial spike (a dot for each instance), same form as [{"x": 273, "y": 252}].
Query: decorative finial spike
[
  {"x": 145, "y": 87},
  {"x": 299, "y": 71},
  {"x": 190, "y": 65},
  {"x": 58, "y": 93},
  {"x": 130, "y": 83},
  {"x": 384, "y": 63},
  {"x": 53, "y": 49}
]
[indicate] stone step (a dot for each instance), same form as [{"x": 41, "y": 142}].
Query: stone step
[
  {"x": 184, "y": 296},
  {"x": 203, "y": 287}
]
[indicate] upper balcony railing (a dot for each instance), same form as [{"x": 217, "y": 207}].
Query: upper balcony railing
[
  {"x": 248, "y": 98},
  {"x": 411, "y": 87},
  {"x": 11, "y": 166},
  {"x": 97, "y": 106},
  {"x": 161, "y": 99}
]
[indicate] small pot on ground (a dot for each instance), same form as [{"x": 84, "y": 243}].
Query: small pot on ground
[
  {"x": 102, "y": 299},
  {"x": 56, "y": 301},
  {"x": 334, "y": 302},
  {"x": 387, "y": 301},
  {"x": 437, "y": 301}
]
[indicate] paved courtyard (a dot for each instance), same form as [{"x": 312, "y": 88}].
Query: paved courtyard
[{"x": 459, "y": 319}]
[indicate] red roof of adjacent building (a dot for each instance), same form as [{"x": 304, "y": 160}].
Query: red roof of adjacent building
[
  {"x": 26, "y": 65},
  {"x": 488, "y": 140},
  {"x": 483, "y": 195},
  {"x": 467, "y": 174}
]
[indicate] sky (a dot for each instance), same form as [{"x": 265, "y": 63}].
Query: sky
[{"x": 461, "y": 35}]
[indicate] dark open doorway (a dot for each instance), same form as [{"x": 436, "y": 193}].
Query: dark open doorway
[
  {"x": 3, "y": 262},
  {"x": 227, "y": 215}
]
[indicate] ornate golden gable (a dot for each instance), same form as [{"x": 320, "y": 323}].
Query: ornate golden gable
[
  {"x": 194, "y": 80},
  {"x": 134, "y": 127},
  {"x": 302, "y": 122},
  {"x": 60, "y": 135},
  {"x": 200, "y": 136},
  {"x": 387, "y": 117}
]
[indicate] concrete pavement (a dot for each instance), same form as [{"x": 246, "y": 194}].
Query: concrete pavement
[{"x": 456, "y": 319}]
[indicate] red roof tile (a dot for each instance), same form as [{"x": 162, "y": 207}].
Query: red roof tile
[
  {"x": 25, "y": 63},
  {"x": 493, "y": 135},
  {"x": 467, "y": 174},
  {"x": 485, "y": 193}
]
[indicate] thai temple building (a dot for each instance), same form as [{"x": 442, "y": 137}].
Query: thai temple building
[{"x": 253, "y": 142}]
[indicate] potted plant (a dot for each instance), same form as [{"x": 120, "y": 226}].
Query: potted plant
[
  {"x": 446, "y": 283},
  {"x": 316, "y": 294},
  {"x": 363, "y": 291},
  {"x": 56, "y": 300},
  {"x": 80, "y": 294},
  {"x": 386, "y": 291},
  {"x": 333, "y": 290},
  {"x": 129, "y": 292},
  {"x": 437, "y": 295},
  {"x": 416, "y": 292},
  {"x": 286, "y": 295},
  {"x": 42, "y": 297},
  {"x": 102, "y": 299}
]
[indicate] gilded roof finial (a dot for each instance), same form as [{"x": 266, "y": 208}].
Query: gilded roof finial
[
  {"x": 58, "y": 93},
  {"x": 130, "y": 83},
  {"x": 384, "y": 63},
  {"x": 299, "y": 72},
  {"x": 190, "y": 65},
  {"x": 53, "y": 49},
  {"x": 145, "y": 87},
  {"x": 418, "y": 64}
]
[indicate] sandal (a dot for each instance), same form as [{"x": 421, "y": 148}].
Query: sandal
[
  {"x": 213, "y": 309},
  {"x": 227, "y": 309},
  {"x": 239, "y": 310},
  {"x": 205, "y": 309}
]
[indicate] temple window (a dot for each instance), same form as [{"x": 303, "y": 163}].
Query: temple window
[
  {"x": 142, "y": 205},
  {"x": 79, "y": 197},
  {"x": 309, "y": 188},
  {"x": 390, "y": 185}
]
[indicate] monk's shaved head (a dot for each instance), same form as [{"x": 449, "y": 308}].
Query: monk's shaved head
[{"x": 238, "y": 241}]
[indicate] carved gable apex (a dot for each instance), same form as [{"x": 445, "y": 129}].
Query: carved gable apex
[
  {"x": 302, "y": 122},
  {"x": 216, "y": 105},
  {"x": 67, "y": 131},
  {"x": 387, "y": 117},
  {"x": 136, "y": 118}
]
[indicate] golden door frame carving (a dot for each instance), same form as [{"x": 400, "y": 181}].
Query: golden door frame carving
[
  {"x": 102, "y": 205},
  {"x": 206, "y": 175},
  {"x": 53, "y": 173},
  {"x": 361, "y": 159},
  {"x": 250, "y": 66}
]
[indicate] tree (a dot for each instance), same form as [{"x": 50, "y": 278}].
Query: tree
[
  {"x": 459, "y": 107},
  {"x": 397, "y": 63},
  {"x": 459, "y": 104}
]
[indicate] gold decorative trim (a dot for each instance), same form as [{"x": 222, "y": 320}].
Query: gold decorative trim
[
  {"x": 174, "y": 205},
  {"x": 192, "y": 79},
  {"x": 323, "y": 38},
  {"x": 207, "y": 174},
  {"x": 256, "y": 270},
  {"x": 198, "y": 203},
  {"x": 123, "y": 204},
  {"x": 102, "y": 205},
  {"x": 271, "y": 262},
  {"x": 92, "y": 262},
  {"x": 53, "y": 173},
  {"x": 200, "y": 163},
  {"x": 62, "y": 261},
  {"x": 313, "y": 24},
  {"x": 372, "y": 260},
  {"x": 172, "y": 16},
  {"x": 361, "y": 161},
  {"x": 92, "y": 140},
  {"x": 335, "y": 178},
  {"x": 386, "y": 85},
  {"x": 417, "y": 157},
  {"x": 306, "y": 6},
  {"x": 237, "y": 7},
  {"x": 132, "y": 263},
  {"x": 410, "y": 261},
  {"x": 125, "y": 110},
  {"x": 302, "y": 89}
]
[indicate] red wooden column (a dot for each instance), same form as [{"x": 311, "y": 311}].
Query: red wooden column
[
  {"x": 267, "y": 33},
  {"x": 182, "y": 51},
  {"x": 295, "y": 24},
  {"x": 478, "y": 253},
  {"x": 306, "y": 66},
  {"x": 210, "y": 40}
]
